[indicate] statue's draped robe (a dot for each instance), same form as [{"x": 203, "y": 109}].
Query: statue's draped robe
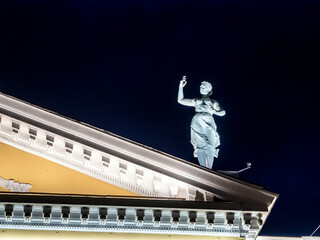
[{"x": 204, "y": 136}]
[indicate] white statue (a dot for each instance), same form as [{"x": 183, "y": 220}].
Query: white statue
[{"x": 204, "y": 136}]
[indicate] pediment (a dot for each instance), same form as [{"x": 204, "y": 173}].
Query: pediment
[
  {"x": 110, "y": 159},
  {"x": 25, "y": 172}
]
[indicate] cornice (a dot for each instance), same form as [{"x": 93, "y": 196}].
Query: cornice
[{"x": 52, "y": 212}]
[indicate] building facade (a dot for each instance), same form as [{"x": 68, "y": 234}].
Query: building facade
[{"x": 60, "y": 178}]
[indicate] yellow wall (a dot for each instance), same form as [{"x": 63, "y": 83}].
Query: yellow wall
[
  {"x": 48, "y": 177},
  {"x": 61, "y": 235}
]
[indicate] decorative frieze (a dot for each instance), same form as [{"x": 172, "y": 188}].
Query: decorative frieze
[{"x": 101, "y": 218}]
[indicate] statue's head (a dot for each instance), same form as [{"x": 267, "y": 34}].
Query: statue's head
[{"x": 205, "y": 88}]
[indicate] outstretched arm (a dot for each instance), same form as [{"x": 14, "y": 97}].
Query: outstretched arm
[{"x": 181, "y": 99}]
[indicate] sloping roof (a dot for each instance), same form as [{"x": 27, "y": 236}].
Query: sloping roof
[{"x": 221, "y": 186}]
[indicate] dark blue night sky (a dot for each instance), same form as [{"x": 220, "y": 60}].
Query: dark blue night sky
[{"x": 117, "y": 65}]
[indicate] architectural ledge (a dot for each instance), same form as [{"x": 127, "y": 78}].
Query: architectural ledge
[{"x": 135, "y": 215}]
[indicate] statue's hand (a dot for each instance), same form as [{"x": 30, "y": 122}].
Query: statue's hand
[
  {"x": 183, "y": 82},
  {"x": 216, "y": 106}
]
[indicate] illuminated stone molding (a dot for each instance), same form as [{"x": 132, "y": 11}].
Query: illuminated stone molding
[
  {"x": 129, "y": 215},
  {"x": 14, "y": 186},
  {"x": 95, "y": 163},
  {"x": 116, "y": 160}
]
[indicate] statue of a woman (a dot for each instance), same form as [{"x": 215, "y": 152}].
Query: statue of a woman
[{"x": 204, "y": 136}]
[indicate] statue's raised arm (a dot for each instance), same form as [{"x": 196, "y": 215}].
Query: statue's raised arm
[
  {"x": 204, "y": 136},
  {"x": 181, "y": 99}
]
